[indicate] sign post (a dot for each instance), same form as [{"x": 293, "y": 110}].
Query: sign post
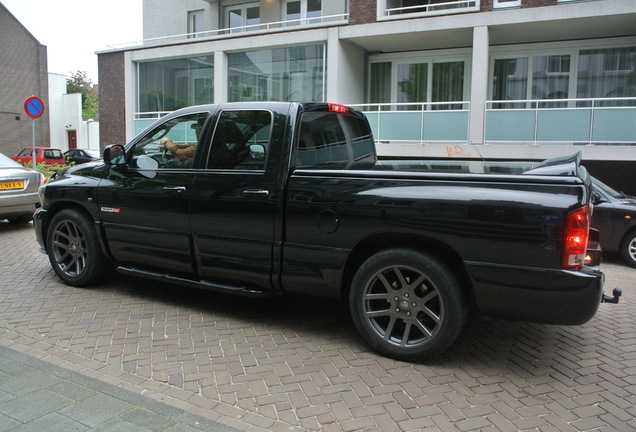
[{"x": 34, "y": 108}]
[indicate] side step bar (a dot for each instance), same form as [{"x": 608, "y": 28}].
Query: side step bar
[{"x": 201, "y": 284}]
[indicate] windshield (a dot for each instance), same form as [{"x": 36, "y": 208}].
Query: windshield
[
  {"x": 606, "y": 189},
  {"x": 5, "y": 161}
]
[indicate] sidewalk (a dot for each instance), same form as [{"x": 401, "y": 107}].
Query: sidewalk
[{"x": 38, "y": 396}]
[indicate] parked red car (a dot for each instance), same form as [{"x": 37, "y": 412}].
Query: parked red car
[{"x": 48, "y": 155}]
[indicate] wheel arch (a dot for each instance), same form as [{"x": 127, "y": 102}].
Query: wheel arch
[
  {"x": 629, "y": 234},
  {"x": 57, "y": 207},
  {"x": 374, "y": 244}
]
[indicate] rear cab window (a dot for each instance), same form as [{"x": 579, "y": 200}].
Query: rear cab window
[{"x": 328, "y": 140}]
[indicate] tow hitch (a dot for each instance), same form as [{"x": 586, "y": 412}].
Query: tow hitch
[{"x": 616, "y": 292}]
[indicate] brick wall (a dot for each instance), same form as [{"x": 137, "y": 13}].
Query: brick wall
[
  {"x": 112, "y": 99},
  {"x": 23, "y": 73},
  {"x": 362, "y": 11}
]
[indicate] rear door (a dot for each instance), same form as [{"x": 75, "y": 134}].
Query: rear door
[
  {"x": 145, "y": 206},
  {"x": 235, "y": 197}
]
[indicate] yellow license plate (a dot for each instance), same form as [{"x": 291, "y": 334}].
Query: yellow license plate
[{"x": 8, "y": 185}]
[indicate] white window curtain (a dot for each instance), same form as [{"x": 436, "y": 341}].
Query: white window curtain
[{"x": 607, "y": 73}]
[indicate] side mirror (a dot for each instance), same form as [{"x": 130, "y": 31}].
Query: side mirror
[
  {"x": 597, "y": 198},
  {"x": 115, "y": 155},
  {"x": 257, "y": 152}
]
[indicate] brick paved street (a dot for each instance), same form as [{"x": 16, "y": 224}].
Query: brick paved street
[{"x": 297, "y": 363}]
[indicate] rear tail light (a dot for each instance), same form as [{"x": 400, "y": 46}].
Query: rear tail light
[{"x": 577, "y": 228}]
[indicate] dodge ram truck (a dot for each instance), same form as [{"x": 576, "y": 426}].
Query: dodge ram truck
[{"x": 266, "y": 198}]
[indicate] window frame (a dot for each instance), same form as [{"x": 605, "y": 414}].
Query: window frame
[
  {"x": 195, "y": 18},
  {"x": 304, "y": 17},
  {"x": 431, "y": 59},
  {"x": 243, "y": 8}
]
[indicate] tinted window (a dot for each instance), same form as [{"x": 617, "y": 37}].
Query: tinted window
[
  {"x": 334, "y": 141},
  {"x": 241, "y": 140},
  {"x": 53, "y": 154},
  {"x": 171, "y": 144}
]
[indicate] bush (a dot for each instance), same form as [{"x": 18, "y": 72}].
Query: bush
[{"x": 44, "y": 168}]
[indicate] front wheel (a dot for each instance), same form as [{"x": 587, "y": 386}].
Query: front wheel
[
  {"x": 628, "y": 249},
  {"x": 74, "y": 249},
  {"x": 407, "y": 304}
]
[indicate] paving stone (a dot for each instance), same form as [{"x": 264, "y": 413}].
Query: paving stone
[{"x": 295, "y": 363}]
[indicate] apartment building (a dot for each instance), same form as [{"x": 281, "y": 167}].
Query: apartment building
[{"x": 461, "y": 79}]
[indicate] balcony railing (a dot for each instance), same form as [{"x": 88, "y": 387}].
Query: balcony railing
[
  {"x": 450, "y": 6},
  {"x": 434, "y": 122},
  {"x": 234, "y": 31},
  {"x": 608, "y": 121}
]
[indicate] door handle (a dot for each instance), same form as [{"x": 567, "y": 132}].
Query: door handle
[
  {"x": 256, "y": 192},
  {"x": 175, "y": 189}
]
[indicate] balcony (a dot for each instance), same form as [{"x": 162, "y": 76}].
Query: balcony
[
  {"x": 294, "y": 24},
  {"x": 422, "y": 123},
  {"x": 397, "y": 9},
  {"x": 610, "y": 121}
]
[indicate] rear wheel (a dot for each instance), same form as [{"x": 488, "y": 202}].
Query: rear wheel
[
  {"x": 74, "y": 249},
  {"x": 628, "y": 249},
  {"x": 407, "y": 304}
]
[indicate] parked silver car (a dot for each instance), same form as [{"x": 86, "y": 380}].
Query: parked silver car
[{"x": 18, "y": 191}]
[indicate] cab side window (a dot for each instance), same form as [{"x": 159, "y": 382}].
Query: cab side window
[
  {"x": 241, "y": 140},
  {"x": 171, "y": 144}
]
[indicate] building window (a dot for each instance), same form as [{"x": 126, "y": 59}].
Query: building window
[
  {"x": 168, "y": 85},
  {"x": 281, "y": 74},
  {"x": 602, "y": 73},
  {"x": 506, "y": 3},
  {"x": 196, "y": 23},
  {"x": 243, "y": 17},
  {"x": 299, "y": 12},
  {"x": 607, "y": 73},
  {"x": 417, "y": 82}
]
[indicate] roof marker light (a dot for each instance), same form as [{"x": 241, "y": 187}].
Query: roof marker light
[{"x": 338, "y": 108}]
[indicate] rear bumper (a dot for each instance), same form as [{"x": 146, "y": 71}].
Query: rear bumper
[
  {"x": 546, "y": 296},
  {"x": 15, "y": 205}
]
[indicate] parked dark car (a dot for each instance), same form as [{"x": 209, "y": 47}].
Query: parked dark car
[
  {"x": 80, "y": 156},
  {"x": 18, "y": 191},
  {"x": 615, "y": 217}
]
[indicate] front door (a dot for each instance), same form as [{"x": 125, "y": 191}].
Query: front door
[
  {"x": 144, "y": 207},
  {"x": 72, "y": 139}
]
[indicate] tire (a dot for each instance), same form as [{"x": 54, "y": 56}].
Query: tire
[
  {"x": 74, "y": 249},
  {"x": 628, "y": 249},
  {"x": 22, "y": 219},
  {"x": 407, "y": 304}
]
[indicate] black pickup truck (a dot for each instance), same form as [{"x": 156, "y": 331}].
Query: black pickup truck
[{"x": 266, "y": 198}]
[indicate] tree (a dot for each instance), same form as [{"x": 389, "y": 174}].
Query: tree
[{"x": 79, "y": 83}]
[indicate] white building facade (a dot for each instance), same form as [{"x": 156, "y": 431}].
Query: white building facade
[{"x": 498, "y": 79}]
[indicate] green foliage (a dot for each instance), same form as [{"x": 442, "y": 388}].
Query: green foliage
[
  {"x": 79, "y": 83},
  {"x": 44, "y": 168}
]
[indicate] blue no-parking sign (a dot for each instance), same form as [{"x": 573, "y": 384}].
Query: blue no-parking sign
[{"x": 34, "y": 107}]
